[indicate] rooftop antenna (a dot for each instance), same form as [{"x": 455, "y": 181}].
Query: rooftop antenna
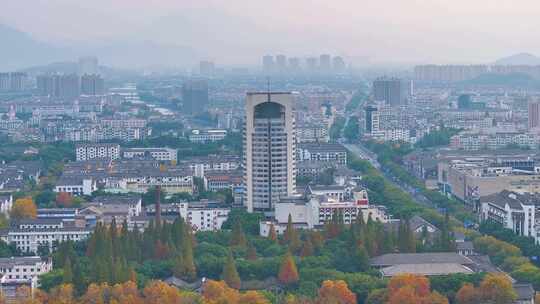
[{"x": 268, "y": 87}]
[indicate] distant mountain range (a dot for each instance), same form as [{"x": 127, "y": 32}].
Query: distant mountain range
[
  {"x": 519, "y": 59},
  {"x": 19, "y": 51}
]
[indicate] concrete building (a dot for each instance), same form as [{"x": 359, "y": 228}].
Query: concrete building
[
  {"x": 4, "y": 82},
  {"x": 76, "y": 185},
  {"x": 161, "y": 154},
  {"x": 14, "y": 81},
  {"x": 100, "y": 151},
  {"x": 59, "y": 85},
  {"x": 206, "y": 136},
  {"x": 469, "y": 177},
  {"x": 313, "y": 211},
  {"x": 213, "y": 163},
  {"x": 393, "y": 91},
  {"x": 512, "y": 210},
  {"x": 201, "y": 215},
  {"x": 21, "y": 271},
  {"x": 194, "y": 96},
  {"x": 448, "y": 73},
  {"x": 269, "y": 149},
  {"x": 533, "y": 114},
  {"x": 327, "y": 152},
  {"x": 372, "y": 119},
  {"x": 480, "y": 140},
  {"x": 92, "y": 84},
  {"x": 30, "y": 238},
  {"x": 312, "y": 132}
]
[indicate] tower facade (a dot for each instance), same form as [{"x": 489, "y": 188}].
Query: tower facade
[
  {"x": 195, "y": 96},
  {"x": 533, "y": 114},
  {"x": 269, "y": 149}
]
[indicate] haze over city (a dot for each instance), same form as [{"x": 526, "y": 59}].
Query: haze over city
[
  {"x": 269, "y": 152},
  {"x": 404, "y": 32}
]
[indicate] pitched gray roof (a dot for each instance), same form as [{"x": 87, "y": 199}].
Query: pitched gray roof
[
  {"x": 430, "y": 269},
  {"x": 467, "y": 245},
  {"x": 391, "y": 259},
  {"x": 524, "y": 291}
]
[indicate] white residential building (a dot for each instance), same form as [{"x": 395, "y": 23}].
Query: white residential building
[
  {"x": 76, "y": 185},
  {"x": 201, "y": 165},
  {"x": 161, "y": 154},
  {"x": 29, "y": 240},
  {"x": 101, "y": 151},
  {"x": 309, "y": 133},
  {"x": 203, "y": 215},
  {"x": 269, "y": 149},
  {"x": 6, "y": 202},
  {"x": 313, "y": 212},
  {"x": 205, "y": 136},
  {"x": 23, "y": 268},
  {"x": 514, "y": 211},
  {"x": 326, "y": 152}
]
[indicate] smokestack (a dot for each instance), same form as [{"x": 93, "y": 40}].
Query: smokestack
[{"x": 158, "y": 205}]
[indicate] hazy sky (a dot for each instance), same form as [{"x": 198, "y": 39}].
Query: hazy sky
[{"x": 240, "y": 31}]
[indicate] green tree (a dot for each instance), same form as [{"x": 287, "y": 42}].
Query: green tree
[
  {"x": 68, "y": 272},
  {"x": 288, "y": 273},
  {"x": 238, "y": 237},
  {"x": 230, "y": 274},
  {"x": 291, "y": 237},
  {"x": 352, "y": 129},
  {"x": 362, "y": 259},
  {"x": 190, "y": 271}
]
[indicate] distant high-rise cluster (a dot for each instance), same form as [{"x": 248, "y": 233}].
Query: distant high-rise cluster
[
  {"x": 70, "y": 85},
  {"x": 392, "y": 91},
  {"x": 92, "y": 84},
  {"x": 194, "y": 96},
  {"x": 456, "y": 73},
  {"x": 534, "y": 114},
  {"x": 13, "y": 81},
  {"x": 325, "y": 64}
]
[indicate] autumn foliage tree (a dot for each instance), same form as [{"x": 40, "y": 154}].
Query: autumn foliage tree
[
  {"x": 497, "y": 289},
  {"x": 288, "y": 273},
  {"x": 217, "y": 292},
  {"x": 467, "y": 294},
  {"x": 24, "y": 208},
  {"x": 272, "y": 234},
  {"x": 238, "y": 237},
  {"x": 335, "y": 292},
  {"x": 64, "y": 199},
  {"x": 412, "y": 289}
]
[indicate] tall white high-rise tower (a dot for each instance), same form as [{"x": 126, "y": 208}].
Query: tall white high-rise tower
[{"x": 269, "y": 149}]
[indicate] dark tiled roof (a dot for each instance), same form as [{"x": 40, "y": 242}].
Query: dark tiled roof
[
  {"x": 322, "y": 147},
  {"x": 467, "y": 245},
  {"x": 419, "y": 258},
  {"x": 524, "y": 291},
  {"x": 502, "y": 198}
]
